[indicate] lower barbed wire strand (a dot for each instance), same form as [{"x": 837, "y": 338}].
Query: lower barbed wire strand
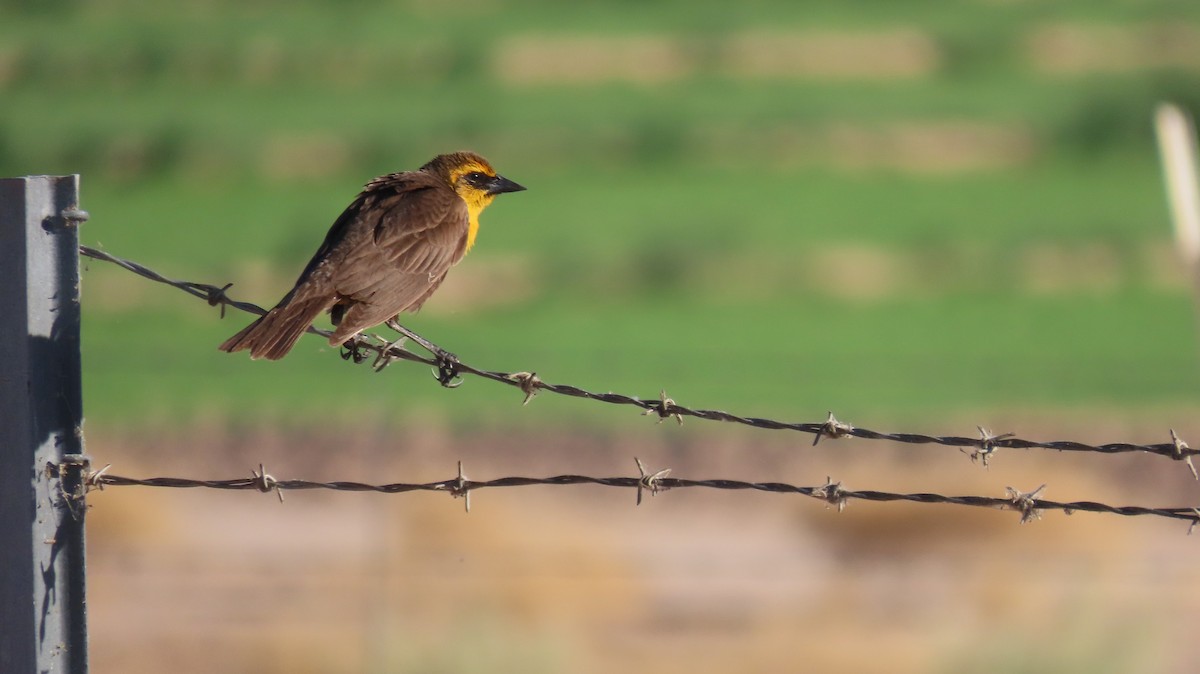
[{"x": 101, "y": 480}]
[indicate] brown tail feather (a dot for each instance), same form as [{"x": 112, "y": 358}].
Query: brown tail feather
[{"x": 273, "y": 335}]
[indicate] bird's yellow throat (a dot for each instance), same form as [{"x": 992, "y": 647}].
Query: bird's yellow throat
[{"x": 477, "y": 200}]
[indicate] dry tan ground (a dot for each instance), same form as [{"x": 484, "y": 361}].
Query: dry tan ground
[
  {"x": 894, "y": 53},
  {"x": 551, "y": 579},
  {"x": 1077, "y": 49},
  {"x": 922, "y": 147},
  {"x": 591, "y": 60},
  {"x": 654, "y": 59},
  {"x": 882, "y": 54}
]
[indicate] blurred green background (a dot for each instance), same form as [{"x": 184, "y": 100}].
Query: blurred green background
[
  {"x": 921, "y": 215},
  {"x": 892, "y": 209}
]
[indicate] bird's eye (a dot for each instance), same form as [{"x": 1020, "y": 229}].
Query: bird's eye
[{"x": 476, "y": 177}]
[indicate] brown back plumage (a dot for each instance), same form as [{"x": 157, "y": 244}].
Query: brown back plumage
[{"x": 386, "y": 254}]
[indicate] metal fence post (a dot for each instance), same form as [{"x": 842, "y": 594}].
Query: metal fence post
[{"x": 43, "y": 624}]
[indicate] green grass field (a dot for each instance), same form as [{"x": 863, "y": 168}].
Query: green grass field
[{"x": 710, "y": 233}]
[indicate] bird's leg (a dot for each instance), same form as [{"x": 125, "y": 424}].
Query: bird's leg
[
  {"x": 447, "y": 363},
  {"x": 428, "y": 345}
]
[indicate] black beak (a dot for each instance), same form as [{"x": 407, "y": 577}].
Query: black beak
[{"x": 500, "y": 185}]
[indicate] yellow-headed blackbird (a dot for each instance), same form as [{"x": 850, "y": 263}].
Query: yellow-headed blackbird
[{"x": 386, "y": 254}]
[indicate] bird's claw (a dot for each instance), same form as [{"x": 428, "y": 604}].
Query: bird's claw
[
  {"x": 352, "y": 350},
  {"x": 447, "y": 369}
]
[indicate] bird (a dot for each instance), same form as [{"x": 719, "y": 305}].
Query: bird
[{"x": 384, "y": 255}]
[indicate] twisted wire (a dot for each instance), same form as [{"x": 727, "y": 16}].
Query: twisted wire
[
  {"x": 448, "y": 368},
  {"x": 1028, "y": 504}
]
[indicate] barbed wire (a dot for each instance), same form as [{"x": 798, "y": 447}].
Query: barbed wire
[
  {"x": 448, "y": 369},
  {"x": 832, "y": 493}
]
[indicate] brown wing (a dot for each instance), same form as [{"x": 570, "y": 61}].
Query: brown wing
[{"x": 405, "y": 239}]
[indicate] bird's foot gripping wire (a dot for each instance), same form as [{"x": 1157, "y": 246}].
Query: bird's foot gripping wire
[
  {"x": 447, "y": 369},
  {"x": 352, "y": 349},
  {"x": 446, "y": 362}
]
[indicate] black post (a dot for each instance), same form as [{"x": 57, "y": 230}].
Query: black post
[{"x": 43, "y": 619}]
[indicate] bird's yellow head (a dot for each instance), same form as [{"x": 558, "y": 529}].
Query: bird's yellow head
[{"x": 474, "y": 180}]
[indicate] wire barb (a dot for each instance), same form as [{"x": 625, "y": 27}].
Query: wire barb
[
  {"x": 217, "y": 297},
  {"x": 831, "y": 492},
  {"x": 1180, "y": 446},
  {"x": 389, "y": 351},
  {"x": 651, "y": 482},
  {"x": 460, "y": 487},
  {"x": 529, "y": 383},
  {"x": 94, "y": 479},
  {"x": 665, "y": 409},
  {"x": 265, "y": 483},
  {"x": 1026, "y": 503},
  {"x": 832, "y": 428},
  {"x": 986, "y": 446}
]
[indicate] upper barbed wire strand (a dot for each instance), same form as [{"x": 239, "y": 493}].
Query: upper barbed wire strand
[{"x": 983, "y": 446}]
